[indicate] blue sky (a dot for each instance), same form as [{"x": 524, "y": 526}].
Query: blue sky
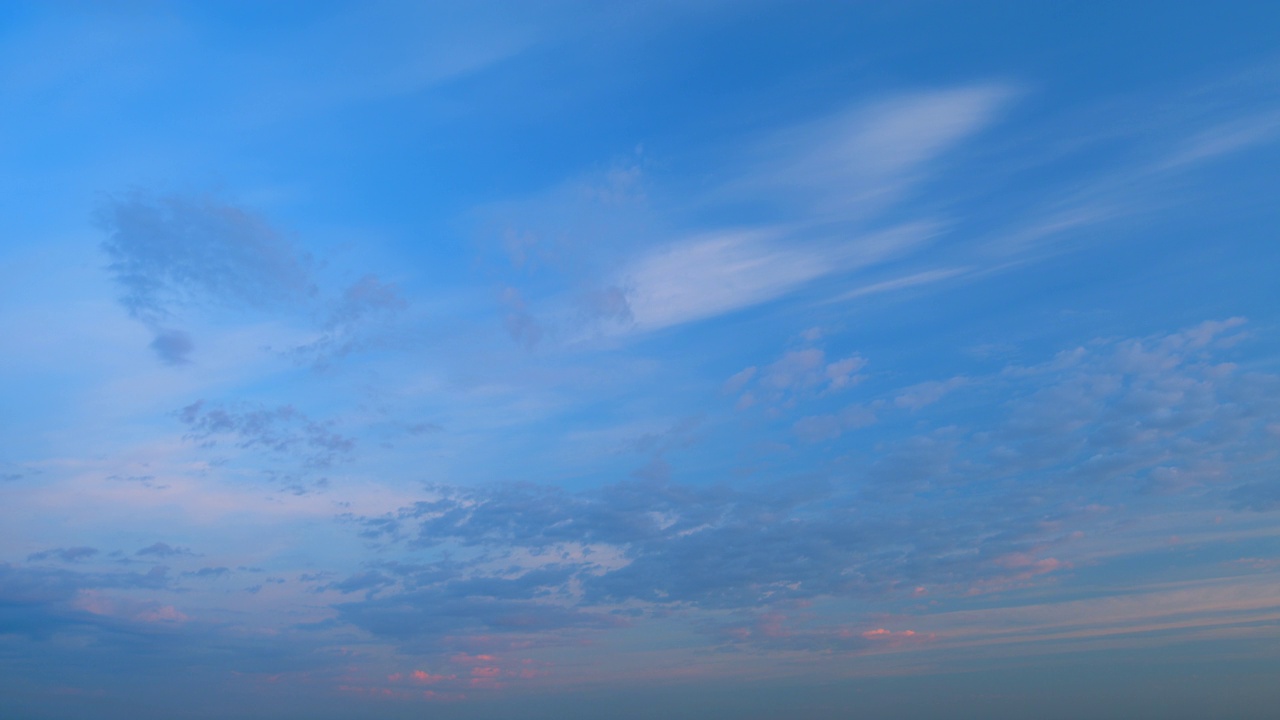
[{"x": 685, "y": 359}]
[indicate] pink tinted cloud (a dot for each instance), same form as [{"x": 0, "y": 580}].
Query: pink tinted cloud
[
  {"x": 771, "y": 626},
  {"x": 1023, "y": 567},
  {"x": 162, "y": 614},
  {"x": 885, "y": 638},
  {"x": 423, "y": 677},
  {"x": 466, "y": 659}
]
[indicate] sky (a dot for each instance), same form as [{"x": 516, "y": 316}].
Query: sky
[{"x": 657, "y": 359}]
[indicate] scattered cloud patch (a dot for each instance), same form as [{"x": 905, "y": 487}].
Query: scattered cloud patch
[
  {"x": 173, "y": 253},
  {"x": 71, "y": 554},
  {"x": 163, "y": 550},
  {"x": 172, "y": 346},
  {"x": 365, "y": 305},
  {"x": 927, "y": 393},
  {"x": 859, "y": 160},
  {"x": 797, "y": 375},
  {"x": 282, "y": 430}
]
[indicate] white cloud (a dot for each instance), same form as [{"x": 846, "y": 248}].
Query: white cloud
[
  {"x": 739, "y": 379},
  {"x": 920, "y": 278},
  {"x": 715, "y": 274},
  {"x": 863, "y": 158},
  {"x": 718, "y": 273},
  {"x": 927, "y": 393},
  {"x": 1224, "y": 139}
]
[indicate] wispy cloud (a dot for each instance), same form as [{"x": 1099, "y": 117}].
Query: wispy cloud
[{"x": 708, "y": 276}]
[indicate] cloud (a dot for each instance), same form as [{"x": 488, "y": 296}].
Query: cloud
[
  {"x": 161, "y": 614},
  {"x": 281, "y": 430},
  {"x": 110, "y": 615},
  {"x": 832, "y": 175},
  {"x": 913, "y": 280},
  {"x": 163, "y": 550},
  {"x": 818, "y": 428},
  {"x": 364, "y": 305},
  {"x": 368, "y": 582},
  {"x": 71, "y": 554},
  {"x": 1108, "y": 422},
  {"x": 739, "y": 380},
  {"x": 927, "y": 393},
  {"x": 857, "y": 161},
  {"x": 38, "y": 602},
  {"x": 428, "y": 615},
  {"x": 172, "y": 346},
  {"x": 171, "y": 253},
  {"x": 1224, "y": 139},
  {"x": 520, "y": 324},
  {"x": 367, "y": 296},
  {"x": 709, "y": 275},
  {"x": 799, "y": 374},
  {"x": 609, "y": 304},
  {"x": 778, "y": 631},
  {"x": 808, "y": 369},
  {"x": 1257, "y": 496}
]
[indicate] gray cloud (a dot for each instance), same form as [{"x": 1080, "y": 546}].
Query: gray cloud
[
  {"x": 175, "y": 254},
  {"x": 172, "y": 346},
  {"x": 71, "y": 554},
  {"x": 163, "y": 550},
  {"x": 430, "y": 614},
  {"x": 282, "y": 430},
  {"x": 1258, "y": 496},
  {"x": 520, "y": 324},
  {"x": 350, "y": 323},
  {"x": 956, "y": 510},
  {"x": 167, "y": 253},
  {"x": 172, "y": 253}
]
